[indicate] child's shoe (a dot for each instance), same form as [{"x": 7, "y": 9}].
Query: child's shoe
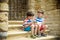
[
  {"x": 39, "y": 35},
  {"x": 32, "y": 36},
  {"x": 42, "y": 34},
  {"x": 36, "y": 35}
]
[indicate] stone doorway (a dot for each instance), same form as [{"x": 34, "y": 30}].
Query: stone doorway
[{"x": 17, "y": 9}]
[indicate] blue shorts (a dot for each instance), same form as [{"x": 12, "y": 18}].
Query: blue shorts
[{"x": 27, "y": 28}]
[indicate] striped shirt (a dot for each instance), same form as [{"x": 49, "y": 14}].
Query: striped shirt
[
  {"x": 39, "y": 19},
  {"x": 27, "y": 21}
]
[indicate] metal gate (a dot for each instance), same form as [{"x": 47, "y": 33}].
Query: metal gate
[{"x": 17, "y": 9}]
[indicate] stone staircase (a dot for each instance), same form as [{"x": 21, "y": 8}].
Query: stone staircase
[
  {"x": 15, "y": 31},
  {"x": 15, "y": 28}
]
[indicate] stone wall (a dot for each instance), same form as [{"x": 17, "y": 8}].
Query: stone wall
[
  {"x": 4, "y": 8},
  {"x": 53, "y": 15},
  {"x": 3, "y": 21}
]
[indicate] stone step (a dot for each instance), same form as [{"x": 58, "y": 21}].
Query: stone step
[
  {"x": 15, "y": 22},
  {"x": 28, "y": 38},
  {"x": 17, "y": 32},
  {"x": 17, "y": 25},
  {"x": 16, "y": 29}
]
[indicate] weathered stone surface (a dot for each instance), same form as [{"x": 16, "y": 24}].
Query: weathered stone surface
[
  {"x": 53, "y": 15},
  {"x": 53, "y": 21},
  {"x": 4, "y": 7},
  {"x": 3, "y": 1},
  {"x": 4, "y": 21},
  {"x": 48, "y": 4}
]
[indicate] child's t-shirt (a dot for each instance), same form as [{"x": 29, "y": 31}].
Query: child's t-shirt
[
  {"x": 39, "y": 20},
  {"x": 27, "y": 21}
]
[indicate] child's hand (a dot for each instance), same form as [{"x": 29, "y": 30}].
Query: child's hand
[
  {"x": 26, "y": 26},
  {"x": 30, "y": 24}
]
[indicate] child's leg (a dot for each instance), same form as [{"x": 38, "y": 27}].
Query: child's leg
[
  {"x": 36, "y": 28},
  {"x": 32, "y": 30},
  {"x": 43, "y": 28},
  {"x": 42, "y": 31}
]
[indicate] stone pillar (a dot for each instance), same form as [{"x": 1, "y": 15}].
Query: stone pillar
[
  {"x": 31, "y": 5},
  {"x": 53, "y": 19},
  {"x": 3, "y": 18}
]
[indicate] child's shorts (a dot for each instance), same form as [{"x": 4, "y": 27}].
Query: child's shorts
[
  {"x": 27, "y": 28},
  {"x": 42, "y": 27}
]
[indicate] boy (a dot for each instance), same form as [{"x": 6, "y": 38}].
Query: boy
[
  {"x": 40, "y": 21},
  {"x": 29, "y": 24}
]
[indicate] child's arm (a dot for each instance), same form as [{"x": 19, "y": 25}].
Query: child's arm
[
  {"x": 44, "y": 20},
  {"x": 26, "y": 24}
]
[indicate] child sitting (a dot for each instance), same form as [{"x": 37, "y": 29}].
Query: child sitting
[
  {"x": 29, "y": 25},
  {"x": 34, "y": 28},
  {"x": 40, "y": 21},
  {"x": 28, "y": 21}
]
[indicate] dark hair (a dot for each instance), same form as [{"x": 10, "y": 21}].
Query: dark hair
[
  {"x": 40, "y": 12},
  {"x": 30, "y": 14}
]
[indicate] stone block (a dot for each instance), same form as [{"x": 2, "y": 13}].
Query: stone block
[
  {"x": 4, "y": 1},
  {"x": 4, "y": 21},
  {"x": 48, "y": 4},
  {"x": 4, "y": 7}
]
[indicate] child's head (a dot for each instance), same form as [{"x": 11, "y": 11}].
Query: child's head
[
  {"x": 30, "y": 15},
  {"x": 40, "y": 13}
]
